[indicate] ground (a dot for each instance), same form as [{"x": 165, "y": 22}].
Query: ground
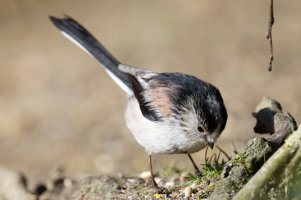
[{"x": 60, "y": 109}]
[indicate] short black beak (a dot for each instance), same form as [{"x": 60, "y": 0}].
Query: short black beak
[
  {"x": 210, "y": 141},
  {"x": 211, "y": 145}
]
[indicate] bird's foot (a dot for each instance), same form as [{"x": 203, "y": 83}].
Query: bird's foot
[{"x": 162, "y": 190}]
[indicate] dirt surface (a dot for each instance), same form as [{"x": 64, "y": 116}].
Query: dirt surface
[
  {"x": 177, "y": 184},
  {"x": 59, "y": 108}
]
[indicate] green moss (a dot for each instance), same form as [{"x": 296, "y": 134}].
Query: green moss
[
  {"x": 240, "y": 160},
  {"x": 212, "y": 170}
]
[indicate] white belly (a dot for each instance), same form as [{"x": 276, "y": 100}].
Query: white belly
[{"x": 160, "y": 137}]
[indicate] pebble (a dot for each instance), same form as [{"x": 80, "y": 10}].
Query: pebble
[
  {"x": 169, "y": 184},
  {"x": 146, "y": 175},
  {"x": 68, "y": 182},
  {"x": 193, "y": 186},
  {"x": 159, "y": 181},
  {"x": 131, "y": 180},
  {"x": 187, "y": 192},
  {"x": 184, "y": 177}
]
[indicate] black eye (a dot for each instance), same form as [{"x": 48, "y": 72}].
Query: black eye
[{"x": 200, "y": 129}]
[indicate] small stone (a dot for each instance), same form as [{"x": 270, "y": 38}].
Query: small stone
[
  {"x": 159, "y": 181},
  {"x": 169, "y": 184},
  {"x": 68, "y": 182},
  {"x": 187, "y": 192},
  {"x": 193, "y": 186},
  {"x": 131, "y": 180},
  {"x": 184, "y": 177},
  {"x": 146, "y": 175}
]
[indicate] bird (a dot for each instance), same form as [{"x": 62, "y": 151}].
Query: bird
[{"x": 167, "y": 113}]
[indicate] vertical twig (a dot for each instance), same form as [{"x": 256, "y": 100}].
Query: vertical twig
[
  {"x": 269, "y": 34},
  {"x": 227, "y": 156},
  {"x": 219, "y": 154},
  {"x": 234, "y": 148}
]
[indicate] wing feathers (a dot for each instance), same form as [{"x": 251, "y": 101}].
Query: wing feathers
[{"x": 145, "y": 107}]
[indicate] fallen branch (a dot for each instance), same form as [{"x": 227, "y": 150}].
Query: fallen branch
[
  {"x": 256, "y": 187},
  {"x": 242, "y": 167}
]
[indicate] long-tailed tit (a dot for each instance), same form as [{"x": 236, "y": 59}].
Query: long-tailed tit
[{"x": 168, "y": 113}]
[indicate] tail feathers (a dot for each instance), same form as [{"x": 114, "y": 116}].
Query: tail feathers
[{"x": 76, "y": 33}]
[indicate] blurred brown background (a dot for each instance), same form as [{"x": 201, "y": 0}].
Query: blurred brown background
[{"x": 59, "y": 108}]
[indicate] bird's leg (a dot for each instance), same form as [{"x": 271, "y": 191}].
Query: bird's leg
[
  {"x": 152, "y": 174},
  {"x": 161, "y": 190},
  {"x": 196, "y": 169}
]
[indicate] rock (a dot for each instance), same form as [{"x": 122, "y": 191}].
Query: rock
[
  {"x": 184, "y": 177},
  {"x": 169, "y": 184},
  {"x": 146, "y": 175},
  {"x": 187, "y": 192},
  {"x": 13, "y": 186},
  {"x": 193, "y": 186}
]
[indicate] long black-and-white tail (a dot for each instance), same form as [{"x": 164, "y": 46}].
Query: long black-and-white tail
[{"x": 76, "y": 33}]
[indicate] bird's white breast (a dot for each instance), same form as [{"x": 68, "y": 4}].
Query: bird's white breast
[{"x": 160, "y": 136}]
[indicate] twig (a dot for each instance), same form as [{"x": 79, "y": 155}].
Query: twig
[
  {"x": 228, "y": 157},
  {"x": 206, "y": 151},
  {"x": 269, "y": 34},
  {"x": 219, "y": 154},
  {"x": 264, "y": 176},
  {"x": 212, "y": 157},
  {"x": 234, "y": 148}
]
